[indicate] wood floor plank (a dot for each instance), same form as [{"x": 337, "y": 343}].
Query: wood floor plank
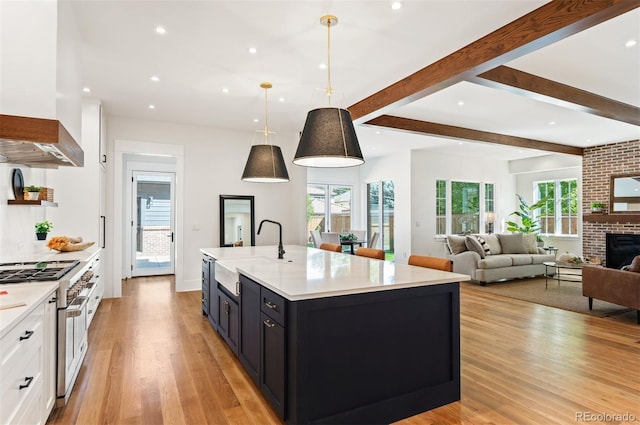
[{"x": 153, "y": 358}]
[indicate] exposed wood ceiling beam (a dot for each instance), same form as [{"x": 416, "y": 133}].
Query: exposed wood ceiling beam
[
  {"x": 449, "y": 131},
  {"x": 549, "y": 23},
  {"x": 549, "y": 91}
]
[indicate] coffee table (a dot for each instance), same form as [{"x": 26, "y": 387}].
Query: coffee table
[{"x": 568, "y": 272}]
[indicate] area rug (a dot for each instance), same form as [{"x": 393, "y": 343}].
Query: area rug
[{"x": 566, "y": 295}]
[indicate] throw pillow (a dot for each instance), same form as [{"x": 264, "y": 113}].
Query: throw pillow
[
  {"x": 494, "y": 243},
  {"x": 477, "y": 244},
  {"x": 530, "y": 243},
  {"x": 512, "y": 244},
  {"x": 456, "y": 244},
  {"x": 635, "y": 264}
]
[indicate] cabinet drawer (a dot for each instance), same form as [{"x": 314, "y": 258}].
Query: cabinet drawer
[
  {"x": 273, "y": 305},
  {"x": 22, "y": 341},
  {"x": 18, "y": 385}
]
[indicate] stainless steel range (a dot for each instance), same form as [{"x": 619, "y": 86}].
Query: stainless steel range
[
  {"x": 35, "y": 271},
  {"x": 76, "y": 285}
]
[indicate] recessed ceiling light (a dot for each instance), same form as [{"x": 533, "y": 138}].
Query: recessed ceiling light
[
  {"x": 225, "y": 90},
  {"x": 396, "y": 5},
  {"x": 253, "y": 50},
  {"x": 161, "y": 30},
  {"x": 588, "y": 140},
  {"x": 152, "y": 106},
  {"x": 378, "y": 132},
  {"x": 281, "y": 99},
  {"x": 552, "y": 123},
  {"x": 86, "y": 89},
  {"x": 460, "y": 103},
  {"x": 460, "y": 143},
  {"x": 256, "y": 120},
  {"x": 631, "y": 43},
  {"x": 155, "y": 78},
  {"x": 322, "y": 66}
]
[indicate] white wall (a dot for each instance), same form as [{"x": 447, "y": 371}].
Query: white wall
[
  {"x": 551, "y": 167},
  {"x": 213, "y": 163},
  {"x": 427, "y": 167},
  {"x": 17, "y": 231}
]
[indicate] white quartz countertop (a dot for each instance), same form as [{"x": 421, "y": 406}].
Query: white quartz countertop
[
  {"x": 30, "y": 294},
  {"x": 42, "y": 253},
  {"x": 307, "y": 273}
]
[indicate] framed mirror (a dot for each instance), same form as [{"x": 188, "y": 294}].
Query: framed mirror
[
  {"x": 625, "y": 194},
  {"x": 237, "y": 221}
]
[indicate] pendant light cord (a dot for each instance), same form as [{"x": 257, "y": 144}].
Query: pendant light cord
[
  {"x": 329, "y": 90},
  {"x": 266, "y": 117}
]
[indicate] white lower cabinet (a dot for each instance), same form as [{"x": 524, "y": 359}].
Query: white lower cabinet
[
  {"x": 27, "y": 367},
  {"x": 97, "y": 290}
]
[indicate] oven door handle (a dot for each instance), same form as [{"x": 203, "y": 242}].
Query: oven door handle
[{"x": 75, "y": 310}]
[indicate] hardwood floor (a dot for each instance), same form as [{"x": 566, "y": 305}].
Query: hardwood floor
[{"x": 154, "y": 359}]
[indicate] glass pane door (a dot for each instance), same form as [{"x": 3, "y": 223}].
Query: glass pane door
[
  {"x": 153, "y": 223},
  {"x": 340, "y": 209},
  {"x": 380, "y": 216}
]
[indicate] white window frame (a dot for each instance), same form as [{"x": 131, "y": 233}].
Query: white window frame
[
  {"x": 557, "y": 210},
  {"x": 481, "y": 200}
]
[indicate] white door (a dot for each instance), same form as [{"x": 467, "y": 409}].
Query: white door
[{"x": 152, "y": 223}]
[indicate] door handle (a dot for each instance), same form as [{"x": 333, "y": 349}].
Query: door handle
[{"x": 170, "y": 236}]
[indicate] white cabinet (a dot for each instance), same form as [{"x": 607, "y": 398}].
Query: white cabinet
[
  {"x": 97, "y": 290},
  {"x": 27, "y": 366},
  {"x": 79, "y": 190}
]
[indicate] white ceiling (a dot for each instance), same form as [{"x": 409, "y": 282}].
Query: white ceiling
[{"x": 206, "y": 49}]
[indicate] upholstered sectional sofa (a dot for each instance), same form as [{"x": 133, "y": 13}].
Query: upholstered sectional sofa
[{"x": 493, "y": 257}]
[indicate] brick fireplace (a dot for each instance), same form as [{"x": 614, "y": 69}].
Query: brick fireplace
[{"x": 598, "y": 164}]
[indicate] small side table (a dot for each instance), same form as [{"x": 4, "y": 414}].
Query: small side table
[{"x": 551, "y": 249}]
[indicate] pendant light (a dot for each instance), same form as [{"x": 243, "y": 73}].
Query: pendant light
[
  {"x": 328, "y": 138},
  {"x": 265, "y": 163}
]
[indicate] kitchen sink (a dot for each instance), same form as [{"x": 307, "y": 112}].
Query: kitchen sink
[{"x": 227, "y": 274}]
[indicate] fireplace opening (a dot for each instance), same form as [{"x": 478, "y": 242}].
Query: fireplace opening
[{"x": 621, "y": 249}]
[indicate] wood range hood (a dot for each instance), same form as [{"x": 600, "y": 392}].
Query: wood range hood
[{"x": 38, "y": 142}]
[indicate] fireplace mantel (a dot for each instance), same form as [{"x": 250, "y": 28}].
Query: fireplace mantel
[{"x": 611, "y": 218}]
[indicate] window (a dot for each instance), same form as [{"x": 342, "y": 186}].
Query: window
[
  {"x": 380, "y": 215},
  {"x": 559, "y": 215},
  {"x": 328, "y": 208},
  {"x": 460, "y": 206}
]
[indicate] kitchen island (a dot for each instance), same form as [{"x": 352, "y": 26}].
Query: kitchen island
[{"x": 336, "y": 338}]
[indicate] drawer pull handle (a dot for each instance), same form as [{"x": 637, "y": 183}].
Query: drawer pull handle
[
  {"x": 27, "y": 335},
  {"x": 270, "y": 305},
  {"x": 28, "y": 380},
  {"x": 268, "y": 324},
  {"x": 52, "y": 300}
]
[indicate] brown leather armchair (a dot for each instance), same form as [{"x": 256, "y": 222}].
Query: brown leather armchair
[{"x": 611, "y": 285}]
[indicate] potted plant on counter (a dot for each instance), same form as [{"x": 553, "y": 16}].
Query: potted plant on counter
[
  {"x": 597, "y": 207},
  {"x": 42, "y": 229},
  {"x": 33, "y": 192}
]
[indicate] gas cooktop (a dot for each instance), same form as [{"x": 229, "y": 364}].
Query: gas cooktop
[{"x": 36, "y": 271}]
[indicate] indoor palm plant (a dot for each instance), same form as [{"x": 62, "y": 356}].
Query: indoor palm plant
[{"x": 528, "y": 223}]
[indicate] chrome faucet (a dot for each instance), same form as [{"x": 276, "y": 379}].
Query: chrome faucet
[{"x": 280, "y": 247}]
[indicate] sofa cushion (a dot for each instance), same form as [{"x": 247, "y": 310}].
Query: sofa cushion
[
  {"x": 541, "y": 258},
  {"x": 495, "y": 261},
  {"x": 521, "y": 259},
  {"x": 477, "y": 244},
  {"x": 493, "y": 242},
  {"x": 456, "y": 244},
  {"x": 512, "y": 244},
  {"x": 530, "y": 243}
]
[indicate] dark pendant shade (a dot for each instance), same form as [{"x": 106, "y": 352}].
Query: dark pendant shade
[
  {"x": 328, "y": 140},
  {"x": 265, "y": 165}
]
